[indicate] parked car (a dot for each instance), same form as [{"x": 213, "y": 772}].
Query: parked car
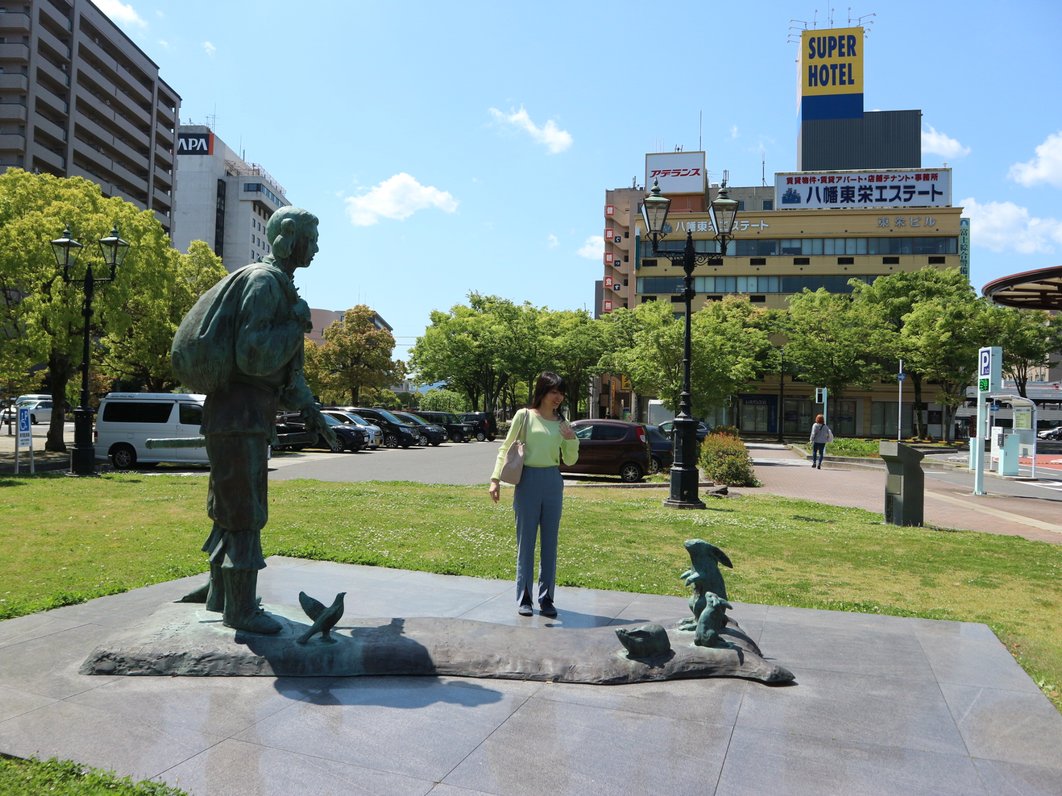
[
  {"x": 127, "y": 420},
  {"x": 293, "y": 437},
  {"x": 349, "y": 436},
  {"x": 611, "y": 447},
  {"x": 458, "y": 430},
  {"x": 661, "y": 449},
  {"x": 667, "y": 428},
  {"x": 1051, "y": 433},
  {"x": 429, "y": 433},
  {"x": 484, "y": 425},
  {"x": 374, "y": 434},
  {"x": 40, "y": 410},
  {"x": 396, "y": 433}
]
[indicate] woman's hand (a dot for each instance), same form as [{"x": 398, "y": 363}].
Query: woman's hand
[
  {"x": 566, "y": 430},
  {"x": 494, "y": 491}
]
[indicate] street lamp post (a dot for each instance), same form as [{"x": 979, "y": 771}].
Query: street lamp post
[
  {"x": 723, "y": 210},
  {"x": 66, "y": 250}
]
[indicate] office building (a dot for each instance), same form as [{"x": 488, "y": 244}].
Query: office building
[
  {"x": 222, "y": 199},
  {"x": 78, "y": 98},
  {"x": 861, "y": 206}
]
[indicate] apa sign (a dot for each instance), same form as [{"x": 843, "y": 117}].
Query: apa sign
[{"x": 195, "y": 143}]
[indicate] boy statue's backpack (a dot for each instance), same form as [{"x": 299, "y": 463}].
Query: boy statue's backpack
[{"x": 203, "y": 353}]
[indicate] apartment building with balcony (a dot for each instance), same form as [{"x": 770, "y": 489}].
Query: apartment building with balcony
[{"x": 79, "y": 98}]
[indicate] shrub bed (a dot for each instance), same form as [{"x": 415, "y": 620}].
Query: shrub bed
[{"x": 724, "y": 459}]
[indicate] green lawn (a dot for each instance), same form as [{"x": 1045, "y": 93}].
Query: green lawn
[{"x": 67, "y": 540}]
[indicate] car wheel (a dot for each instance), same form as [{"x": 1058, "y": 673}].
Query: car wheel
[
  {"x": 491, "y": 437},
  {"x": 655, "y": 465},
  {"x": 423, "y": 440},
  {"x": 630, "y": 473},
  {"x": 458, "y": 437},
  {"x": 123, "y": 457},
  {"x": 391, "y": 440},
  {"x": 480, "y": 436},
  {"x": 436, "y": 443},
  {"x": 33, "y": 418},
  {"x": 335, "y": 447}
]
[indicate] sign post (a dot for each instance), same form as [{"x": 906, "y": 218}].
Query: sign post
[
  {"x": 989, "y": 380},
  {"x": 900, "y": 376},
  {"x": 25, "y": 437}
]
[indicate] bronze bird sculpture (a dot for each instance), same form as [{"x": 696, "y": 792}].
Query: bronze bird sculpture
[{"x": 324, "y": 619}]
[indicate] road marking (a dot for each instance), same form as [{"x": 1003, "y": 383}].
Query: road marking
[{"x": 1003, "y": 515}]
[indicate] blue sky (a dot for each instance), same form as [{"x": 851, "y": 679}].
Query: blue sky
[{"x": 451, "y": 147}]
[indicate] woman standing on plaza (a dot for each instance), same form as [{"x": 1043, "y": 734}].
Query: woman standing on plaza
[
  {"x": 820, "y": 436},
  {"x": 548, "y": 439}
]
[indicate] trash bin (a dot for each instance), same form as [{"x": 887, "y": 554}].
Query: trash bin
[{"x": 904, "y": 483}]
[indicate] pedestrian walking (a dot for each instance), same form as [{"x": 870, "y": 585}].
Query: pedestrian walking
[
  {"x": 547, "y": 439},
  {"x": 820, "y": 437}
]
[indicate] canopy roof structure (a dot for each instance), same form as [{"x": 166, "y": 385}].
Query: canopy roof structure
[{"x": 1032, "y": 290}]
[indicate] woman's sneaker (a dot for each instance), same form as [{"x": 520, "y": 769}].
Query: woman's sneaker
[{"x": 545, "y": 607}]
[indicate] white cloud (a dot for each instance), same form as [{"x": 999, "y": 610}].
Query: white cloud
[
  {"x": 396, "y": 198},
  {"x": 1045, "y": 167},
  {"x": 209, "y": 48},
  {"x": 121, "y": 13},
  {"x": 593, "y": 249},
  {"x": 1005, "y": 226},
  {"x": 555, "y": 139},
  {"x": 551, "y": 241},
  {"x": 733, "y": 131},
  {"x": 935, "y": 142},
  {"x": 164, "y": 44}
]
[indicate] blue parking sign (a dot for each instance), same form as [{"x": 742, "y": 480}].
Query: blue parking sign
[{"x": 25, "y": 436}]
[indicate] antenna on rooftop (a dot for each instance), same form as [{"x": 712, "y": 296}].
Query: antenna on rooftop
[
  {"x": 857, "y": 22},
  {"x": 795, "y": 31}
]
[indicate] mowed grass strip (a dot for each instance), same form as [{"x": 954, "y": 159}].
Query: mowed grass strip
[{"x": 66, "y": 540}]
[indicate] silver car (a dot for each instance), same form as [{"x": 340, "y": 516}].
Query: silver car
[
  {"x": 374, "y": 433},
  {"x": 40, "y": 411}
]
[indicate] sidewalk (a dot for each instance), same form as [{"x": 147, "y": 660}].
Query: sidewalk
[{"x": 947, "y": 505}]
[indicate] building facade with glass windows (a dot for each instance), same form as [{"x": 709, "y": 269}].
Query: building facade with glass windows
[
  {"x": 79, "y": 99},
  {"x": 222, "y": 199},
  {"x": 862, "y": 206}
]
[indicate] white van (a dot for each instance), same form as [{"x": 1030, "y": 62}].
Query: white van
[{"x": 127, "y": 420}]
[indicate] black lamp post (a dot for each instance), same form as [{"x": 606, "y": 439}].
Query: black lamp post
[
  {"x": 684, "y": 474},
  {"x": 66, "y": 250}
]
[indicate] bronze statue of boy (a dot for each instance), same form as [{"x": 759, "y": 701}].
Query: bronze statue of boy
[{"x": 243, "y": 344}]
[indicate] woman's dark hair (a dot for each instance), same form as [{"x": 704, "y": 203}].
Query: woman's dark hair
[{"x": 547, "y": 380}]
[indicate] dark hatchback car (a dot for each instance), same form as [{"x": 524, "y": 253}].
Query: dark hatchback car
[
  {"x": 611, "y": 447},
  {"x": 661, "y": 449},
  {"x": 430, "y": 433},
  {"x": 459, "y": 431},
  {"x": 396, "y": 432},
  {"x": 483, "y": 424},
  {"x": 348, "y": 437}
]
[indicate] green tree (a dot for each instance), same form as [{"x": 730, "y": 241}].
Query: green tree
[
  {"x": 573, "y": 345},
  {"x": 482, "y": 349},
  {"x": 41, "y": 309},
  {"x": 441, "y": 400},
  {"x": 1029, "y": 338},
  {"x": 828, "y": 341},
  {"x": 726, "y": 345},
  {"x": 356, "y": 354},
  {"x": 140, "y": 358},
  {"x": 890, "y": 299},
  {"x": 942, "y": 336}
]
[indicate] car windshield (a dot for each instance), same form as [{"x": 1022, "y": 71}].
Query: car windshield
[
  {"x": 331, "y": 420},
  {"x": 390, "y": 418},
  {"x": 361, "y": 421},
  {"x": 413, "y": 419}
]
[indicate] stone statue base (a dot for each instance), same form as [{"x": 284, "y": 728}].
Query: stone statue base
[{"x": 186, "y": 639}]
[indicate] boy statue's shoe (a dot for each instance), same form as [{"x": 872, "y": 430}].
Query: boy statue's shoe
[{"x": 525, "y": 610}]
